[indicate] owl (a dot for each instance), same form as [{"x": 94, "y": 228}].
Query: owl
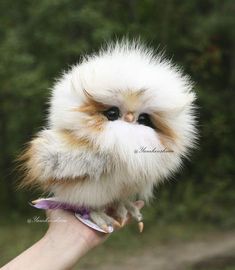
[{"x": 119, "y": 123}]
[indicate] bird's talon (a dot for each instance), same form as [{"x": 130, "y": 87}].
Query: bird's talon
[
  {"x": 117, "y": 224},
  {"x": 141, "y": 226},
  {"x": 35, "y": 201},
  {"x": 105, "y": 228},
  {"x": 123, "y": 222}
]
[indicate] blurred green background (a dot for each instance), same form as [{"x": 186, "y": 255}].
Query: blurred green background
[{"x": 40, "y": 39}]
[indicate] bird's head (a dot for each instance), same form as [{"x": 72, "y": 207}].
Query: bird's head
[{"x": 130, "y": 103}]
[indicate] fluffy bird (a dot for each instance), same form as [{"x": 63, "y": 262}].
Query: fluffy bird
[{"x": 119, "y": 123}]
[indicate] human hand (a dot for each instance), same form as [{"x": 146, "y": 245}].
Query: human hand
[
  {"x": 65, "y": 242},
  {"x": 72, "y": 236}
]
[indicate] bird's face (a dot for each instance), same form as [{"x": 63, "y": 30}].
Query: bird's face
[
  {"x": 135, "y": 109},
  {"x": 127, "y": 126}
]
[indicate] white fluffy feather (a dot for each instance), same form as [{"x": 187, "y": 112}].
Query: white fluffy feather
[{"x": 115, "y": 171}]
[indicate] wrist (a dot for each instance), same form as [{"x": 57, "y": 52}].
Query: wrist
[{"x": 65, "y": 253}]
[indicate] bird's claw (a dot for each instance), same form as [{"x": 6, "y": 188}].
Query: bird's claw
[{"x": 141, "y": 226}]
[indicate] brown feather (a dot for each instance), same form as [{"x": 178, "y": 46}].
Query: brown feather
[
  {"x": 28, "y": 166},
  {"x": 29, "y": 163},
  {"x": 166, "y": 133},
  {"x": 64, "y": 182},
  {"x": 94, "y": 118}
]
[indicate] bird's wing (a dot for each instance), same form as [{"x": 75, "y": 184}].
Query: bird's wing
[{"x": 58, "y": 155}]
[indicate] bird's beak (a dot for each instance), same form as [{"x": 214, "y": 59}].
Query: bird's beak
[{"x": 129, "y": 117}]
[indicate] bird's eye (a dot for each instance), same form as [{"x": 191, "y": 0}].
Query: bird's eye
[
  {"x": 144, "y": 119},
  {"x": 112, "y": 113}
]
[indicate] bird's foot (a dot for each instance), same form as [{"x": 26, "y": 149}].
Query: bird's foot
[
  {"x": 127, "y": 209},
  {"x": 118, "y": 216},
  {"x": 101, "y": 219}
]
